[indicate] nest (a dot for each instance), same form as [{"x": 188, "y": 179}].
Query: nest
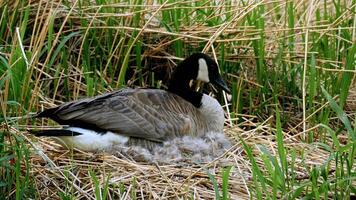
[{"x": 58, "y": 171}]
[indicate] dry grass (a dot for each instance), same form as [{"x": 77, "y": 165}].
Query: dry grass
[{"x": 56, "y": 169}]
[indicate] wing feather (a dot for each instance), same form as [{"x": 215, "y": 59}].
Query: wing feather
[{"x": 142, "y": 113}]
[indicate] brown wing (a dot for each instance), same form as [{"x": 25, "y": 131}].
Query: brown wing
[{"x": 142, "y": 113}]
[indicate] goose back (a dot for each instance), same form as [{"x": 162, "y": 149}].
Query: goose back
[{"x": 149, "y": 114}]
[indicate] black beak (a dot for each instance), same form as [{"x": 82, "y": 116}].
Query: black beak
[{"x": 218, "y": 81}]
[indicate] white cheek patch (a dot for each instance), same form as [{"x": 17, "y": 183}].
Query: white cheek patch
[{"x": 203, "y": 74}]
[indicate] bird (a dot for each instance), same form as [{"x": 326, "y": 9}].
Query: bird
[{"x": 142, "y": 116}]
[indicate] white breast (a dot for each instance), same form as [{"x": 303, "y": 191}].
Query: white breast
[
  {"x": 90, "y": 140},
  {"x": 213, "y": 113}
]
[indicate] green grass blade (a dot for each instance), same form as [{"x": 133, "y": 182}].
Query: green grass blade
[
  {"x": 280, "y": 145},
  {"x": 225, "y": 183},
  {"x": 258, "y": 177},
  {"x": 96, "y": 183},
  {"x": 60, "y": 47},
  {"x": 340, "y": 114},
  {"x": 215, "y": 184},
  {"x": 347, "y": 76}
]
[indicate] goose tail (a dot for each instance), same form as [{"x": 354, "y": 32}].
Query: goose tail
[
  {"x": 53, "y": 132},
  {"x": 46, "y": 113}
]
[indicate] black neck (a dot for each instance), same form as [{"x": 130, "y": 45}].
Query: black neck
[{"x": 179, "y": 84}]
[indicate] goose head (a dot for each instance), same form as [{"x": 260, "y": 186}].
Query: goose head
[{"x": 198, "y": 66}]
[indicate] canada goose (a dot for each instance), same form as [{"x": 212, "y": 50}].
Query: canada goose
[{"x": 142, "y": 116}]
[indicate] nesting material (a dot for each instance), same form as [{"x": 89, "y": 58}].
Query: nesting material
[
  {"x": 195, "y": 149},
  {"x": 55, "y": 166}
]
